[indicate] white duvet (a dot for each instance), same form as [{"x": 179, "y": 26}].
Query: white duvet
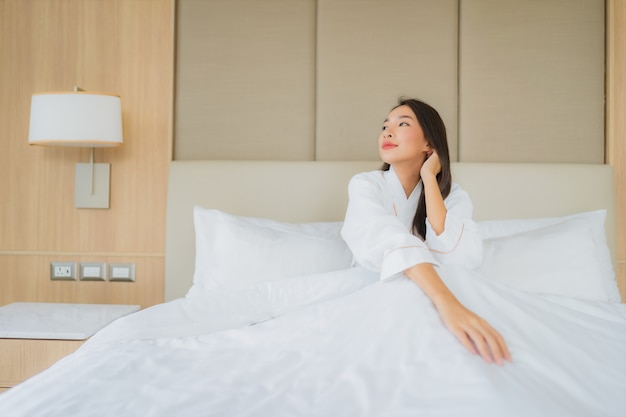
[{"x": 340, "y": 344}]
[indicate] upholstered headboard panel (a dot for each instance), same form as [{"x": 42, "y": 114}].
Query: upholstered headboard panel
[
  {"x": 531, "y": 81},
  {"x": 317, "y": 191},
  {"x": 515, "y": 81}
]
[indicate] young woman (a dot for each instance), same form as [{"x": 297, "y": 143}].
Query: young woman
[{"x": 407, "y": 218}]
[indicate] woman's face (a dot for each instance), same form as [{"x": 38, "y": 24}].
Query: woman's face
[{"x": 402, "y": 138}]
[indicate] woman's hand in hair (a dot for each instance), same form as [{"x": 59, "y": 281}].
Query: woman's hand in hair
[{"x": 431, "y": 166}]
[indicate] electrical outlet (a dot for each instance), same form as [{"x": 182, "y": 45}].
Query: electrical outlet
[{"x": 64, "y": 271}]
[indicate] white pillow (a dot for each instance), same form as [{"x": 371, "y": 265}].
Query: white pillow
[
  {"x": 498, "y": 228},
  {"x": 596, "y": 220},
  {"x": 561, "y": 256},
  {"x": 234, "y": 252}
]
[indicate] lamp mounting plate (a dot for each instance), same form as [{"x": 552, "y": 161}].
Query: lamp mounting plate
[{"x": 94, "y": 194}]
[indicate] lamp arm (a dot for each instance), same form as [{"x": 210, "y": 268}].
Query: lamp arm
[{"x": 91, "y": 171}]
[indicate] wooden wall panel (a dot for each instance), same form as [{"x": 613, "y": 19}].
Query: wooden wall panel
[
  {"x": 118, "y": 46},
  {"x": 616, "y": 122},
  {"x": 26, "y": 277}
]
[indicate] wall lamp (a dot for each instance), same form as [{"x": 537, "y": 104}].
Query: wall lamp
[{"x": 83, "y": 119}]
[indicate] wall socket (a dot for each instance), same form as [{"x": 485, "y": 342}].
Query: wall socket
[{"x": 63, "y": 271}]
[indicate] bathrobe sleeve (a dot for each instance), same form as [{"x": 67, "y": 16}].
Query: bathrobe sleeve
[
  {"x": 460, "y": 243},
  {"x": 381, "y": 242},
  {"x": 378, "y": 239}
]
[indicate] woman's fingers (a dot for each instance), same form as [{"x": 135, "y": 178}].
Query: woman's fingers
[
  {"x": 480, "y": 342},
  {"x": 504, "y": 349},
  {"x": 480, "y": 338},
  {"x": 432, "y": 163},
  {"x": 466, "y": 341},
  {"x": 489, "y": 343}
]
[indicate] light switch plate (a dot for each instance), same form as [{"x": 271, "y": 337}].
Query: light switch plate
[
  {"x": 92, "y": 271},
  {"x": 122, "y": 272}
]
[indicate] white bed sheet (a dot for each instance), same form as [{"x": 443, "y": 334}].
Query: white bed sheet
[{"x": 351, "y": 346}]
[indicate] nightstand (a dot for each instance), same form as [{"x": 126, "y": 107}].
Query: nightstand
[{"x": 35, "y": 335}]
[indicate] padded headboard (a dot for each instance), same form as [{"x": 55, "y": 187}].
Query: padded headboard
[{"x": 317, "y": 191}]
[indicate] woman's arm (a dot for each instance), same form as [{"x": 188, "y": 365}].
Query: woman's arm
[
  {"x": 451, "y": 234},
  {"x": 471, "y": 330}
]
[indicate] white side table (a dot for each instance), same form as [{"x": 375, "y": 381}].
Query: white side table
[{"x": 35, "y": 335}]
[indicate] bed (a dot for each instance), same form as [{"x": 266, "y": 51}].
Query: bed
[{"x": 266, "y": 315}]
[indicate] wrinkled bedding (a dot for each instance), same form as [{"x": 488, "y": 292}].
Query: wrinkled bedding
[{"x": 340, "y": 344}]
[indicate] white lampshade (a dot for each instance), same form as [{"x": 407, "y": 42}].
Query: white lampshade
[{"x": 76, "y": 118}]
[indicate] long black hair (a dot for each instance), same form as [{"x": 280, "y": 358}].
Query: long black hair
[{"x": 435, "y": 134}]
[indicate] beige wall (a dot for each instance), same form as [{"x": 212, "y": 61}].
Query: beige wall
[
  {"x": 118, "y": 46},
  {"x": 126, "y": 47}
]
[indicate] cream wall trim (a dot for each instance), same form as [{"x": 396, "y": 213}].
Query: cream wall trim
[
  {"x": 532, "y": 81},
  {"x": 318, "y": 193},
  {"x": 245, "y": 79},
  {"x": 370, "y": 53}
]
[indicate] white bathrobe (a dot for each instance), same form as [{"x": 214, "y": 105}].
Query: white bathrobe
[{"x": 378, "y": 226}]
